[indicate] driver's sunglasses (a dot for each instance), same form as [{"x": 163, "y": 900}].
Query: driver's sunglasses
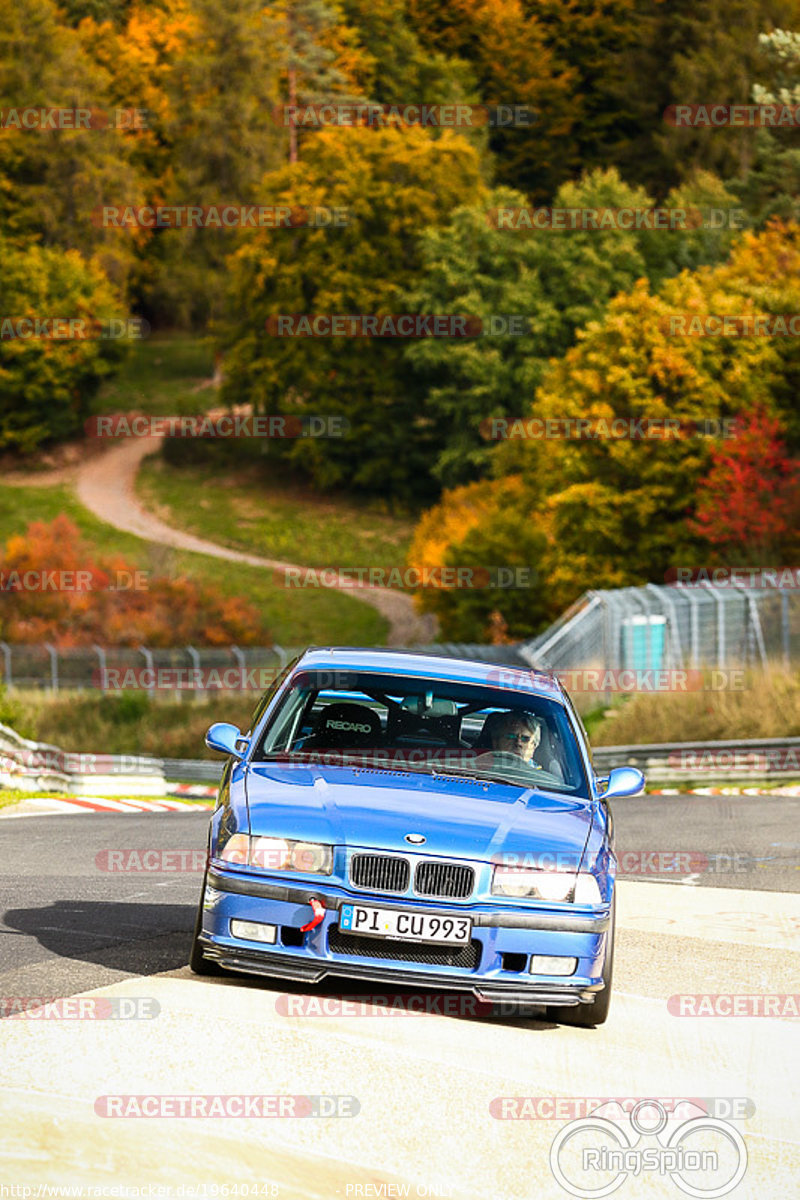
[{"x": 522, "y": 735}]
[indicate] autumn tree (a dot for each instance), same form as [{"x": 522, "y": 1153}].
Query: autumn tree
[
  {"x": 614, "y": 509},
  {"x": 389, "y": 184},
  {"x": 47, "y": 383},
  {"x": 52, "y": 181},
  {"x": 686, "y": 55},
  {"x": 106, "y": 604},
  {"x": 506, "y": 45},
  {"x": 748, "y": 505},
  {"x": 493, "y": 260}
]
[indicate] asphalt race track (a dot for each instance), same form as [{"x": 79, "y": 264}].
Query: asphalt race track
[{"x": 451, "y": 1102}]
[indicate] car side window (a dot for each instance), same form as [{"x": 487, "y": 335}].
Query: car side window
[{"x": 269, "y": 694}]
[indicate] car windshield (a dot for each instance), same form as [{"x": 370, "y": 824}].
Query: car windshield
[{"x": 433, "y": 727}]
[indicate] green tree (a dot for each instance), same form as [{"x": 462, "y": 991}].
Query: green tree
[
  {"x": 688, "y": 55},
  {"x": 52, "y": 181},
  {"x": 46, "y": 385},
  {"x": 771, "y": 188},
  {"x": 614, "y": 509},
  {"x": 309, "y": 64},
  {"x": 489, "y": 262},
  {"x": 223, "y": 139},
  {"x": 405, "y": 65},
  {"x": 506, "y": 46},
  {"x": 390, "y": 184}
]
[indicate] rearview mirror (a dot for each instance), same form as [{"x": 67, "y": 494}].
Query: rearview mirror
[
  {"x": 624, "y": 781},
  {"x": 225, "y": 737}
]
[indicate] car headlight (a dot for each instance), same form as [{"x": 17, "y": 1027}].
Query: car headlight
[
  {"x": 278, "y": 854},
  {"x": 525, "y": 883}
]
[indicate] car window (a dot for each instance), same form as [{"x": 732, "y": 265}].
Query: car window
[{"x": 431, "y": 726}]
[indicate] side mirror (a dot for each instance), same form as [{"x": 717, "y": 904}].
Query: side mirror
[
  {"x": 225, "y": 738},
  {"x": 624, "y": 781}
]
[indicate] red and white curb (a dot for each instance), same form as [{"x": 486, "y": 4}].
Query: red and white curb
[
  {"x": 194, "y": 791},
  {"x": 63, "y": 805},
  {"x": 792, "y": 789}
]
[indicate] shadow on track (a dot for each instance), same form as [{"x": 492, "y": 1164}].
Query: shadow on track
[{"x": 146, "y": 939}]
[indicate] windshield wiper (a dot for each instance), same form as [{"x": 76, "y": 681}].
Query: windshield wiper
[
  {"x": 491, "y": 778},
  {"x": 310, "y": 757}
]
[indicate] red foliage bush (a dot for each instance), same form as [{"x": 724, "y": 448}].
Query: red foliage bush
[{"x": 748, "y": 506}]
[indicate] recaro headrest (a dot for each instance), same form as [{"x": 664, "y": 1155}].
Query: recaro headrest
[{"x": 347, "y": 724}]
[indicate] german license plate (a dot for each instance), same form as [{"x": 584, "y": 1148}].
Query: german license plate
[{"x": 407, "y": 926}]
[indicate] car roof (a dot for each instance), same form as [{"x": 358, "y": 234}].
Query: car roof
[{"x": 432, "y": 666}]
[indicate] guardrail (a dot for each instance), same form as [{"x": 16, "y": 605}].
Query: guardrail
[
  {"x": 668, "y": 762},
  {"x": 194, "y": 770},
  {"x": 753, "y": 761},
  {"x": 39, "y": 766}
]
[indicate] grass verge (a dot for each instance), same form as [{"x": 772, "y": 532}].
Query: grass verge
[
  {"x": 128, "y": 723},
  {"x": 237, "y": 508},
  {"x": 296, "y": 618},
  {"x": 768, "y": 706},
  {"x": 164, "y": 374}
]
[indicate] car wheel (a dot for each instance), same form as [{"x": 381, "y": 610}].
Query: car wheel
[
  {"x": 197, "y": 963},
  {"x": 586, "y": 1016}
]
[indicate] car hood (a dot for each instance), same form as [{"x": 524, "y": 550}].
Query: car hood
[{"x": 458, "y": 817}]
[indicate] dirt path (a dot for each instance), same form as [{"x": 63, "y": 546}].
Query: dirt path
[{"x": 106, "y": 486}]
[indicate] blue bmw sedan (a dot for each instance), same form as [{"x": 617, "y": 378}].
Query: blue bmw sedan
[{"x": 415, "y": 820}]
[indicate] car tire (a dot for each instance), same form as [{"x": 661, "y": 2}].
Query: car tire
[
  {"x": 586, "y": 1016},
  {"x": 197, "y": 963}
]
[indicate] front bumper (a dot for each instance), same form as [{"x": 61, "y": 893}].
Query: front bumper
[{"x": 503, "y": 940}]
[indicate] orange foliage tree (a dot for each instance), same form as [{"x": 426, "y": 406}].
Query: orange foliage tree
[{"x": 54, "y": 589}]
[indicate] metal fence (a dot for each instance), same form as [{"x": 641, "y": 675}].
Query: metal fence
[
  {"x": 683, "y": 625},
  {"x": 655, "y": 626},
  {"x": 184, "y": 671}
]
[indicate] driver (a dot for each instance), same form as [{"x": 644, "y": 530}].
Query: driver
[{"x": 518, "y": 733}]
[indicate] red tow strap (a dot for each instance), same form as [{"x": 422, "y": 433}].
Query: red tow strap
[{"x": 319, "y": 915}]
